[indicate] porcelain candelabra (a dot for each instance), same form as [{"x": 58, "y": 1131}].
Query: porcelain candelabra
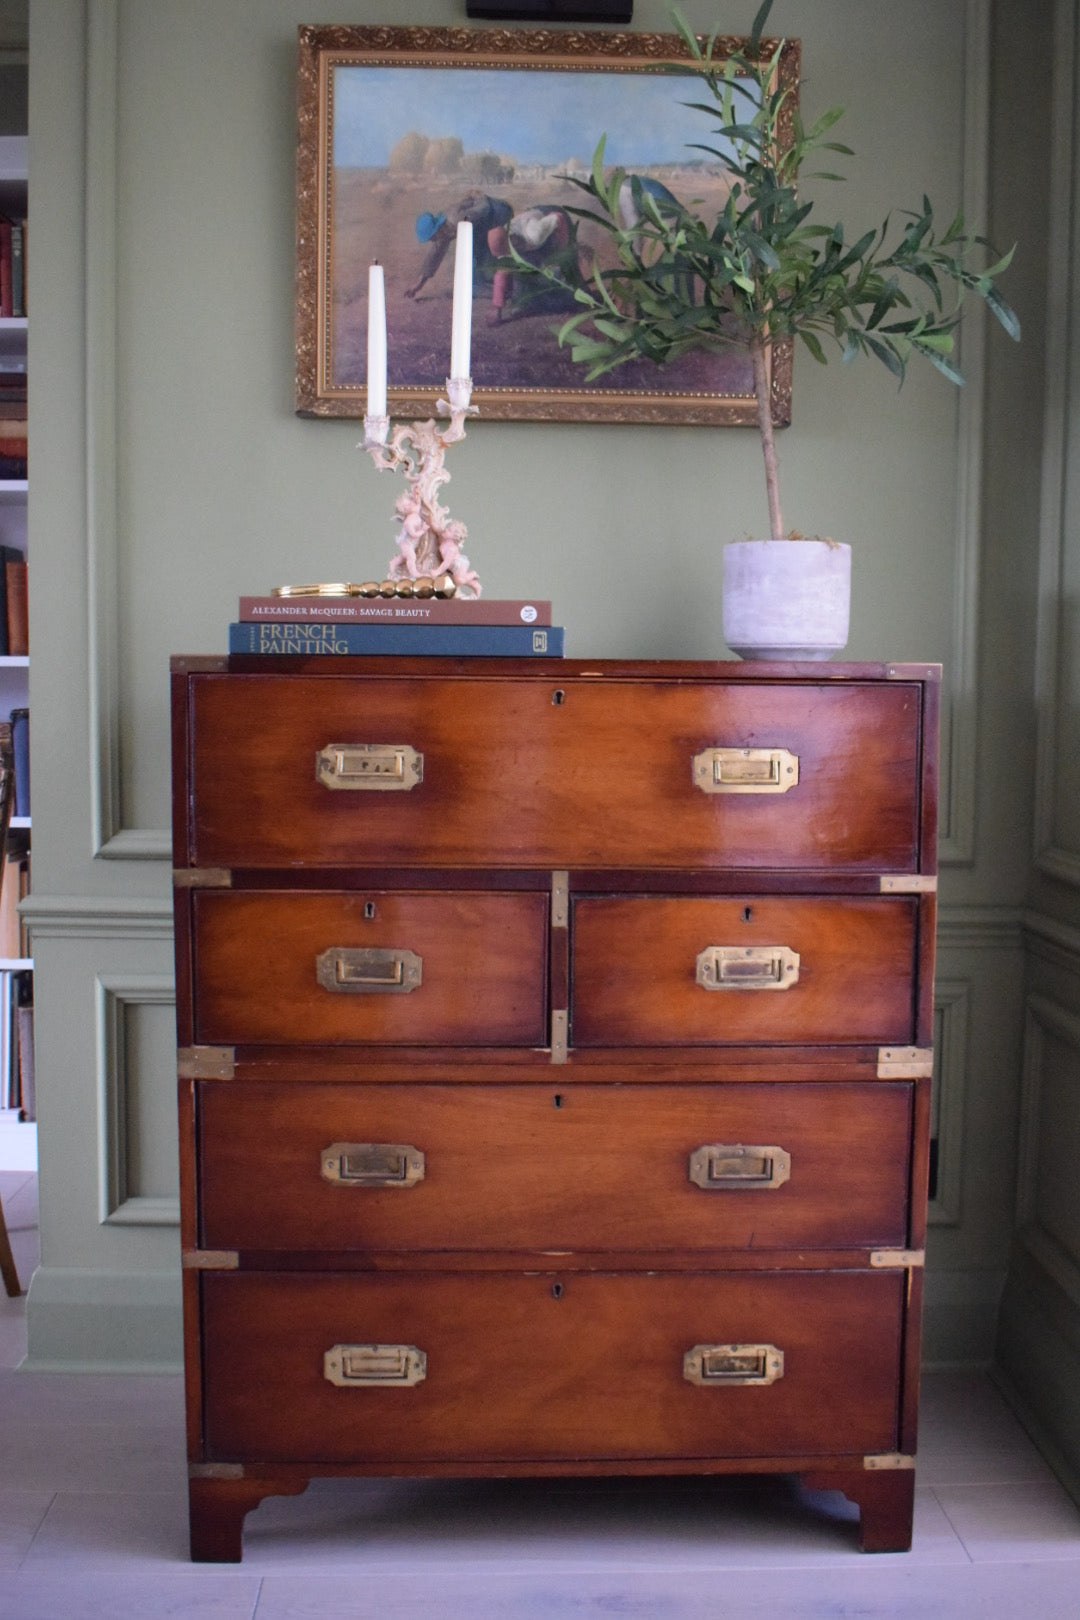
[{"x": 429, "y": 540}]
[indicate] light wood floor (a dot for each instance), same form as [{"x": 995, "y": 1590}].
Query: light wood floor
[{"x": 93, "y": 1524}]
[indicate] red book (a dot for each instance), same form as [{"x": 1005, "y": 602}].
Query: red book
[{"x": 390, "y": 610}]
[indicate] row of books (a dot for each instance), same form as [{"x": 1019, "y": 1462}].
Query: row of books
[
  {"x": 17, "y": 1041},
  {"x": 14, "y": 602},
  {"x": 13, "y": 245},
  {"x": 432, "y": 626}
]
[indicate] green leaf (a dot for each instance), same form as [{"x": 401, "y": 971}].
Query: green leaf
[
  {"x": 1007, "y": 316},
  {"x": 758, "y": 25},
  {"x": 814, "y": 345}
]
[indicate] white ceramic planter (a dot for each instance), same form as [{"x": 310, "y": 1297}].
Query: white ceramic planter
[{"x": 787, "y": 598}]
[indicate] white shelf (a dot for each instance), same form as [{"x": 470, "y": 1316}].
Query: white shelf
[
  {"x": 16, "y": 964},
  {"x": 14, "y": 491}
]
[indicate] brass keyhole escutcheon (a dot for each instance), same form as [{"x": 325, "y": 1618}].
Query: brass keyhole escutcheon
[
  {"x": 558, "y": 696},
  {"x": 558, "y": 1099},
  {"x": 557, "y": 1290},
  {"x": 370, "y": 910}
]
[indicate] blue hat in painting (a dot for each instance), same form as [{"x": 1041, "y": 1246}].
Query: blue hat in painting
[{"x": 428, "y": 224}]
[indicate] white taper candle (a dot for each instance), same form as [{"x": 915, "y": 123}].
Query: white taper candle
[
  {"x": 461, "y": 333},
  {"x": 376, "y": 342}
]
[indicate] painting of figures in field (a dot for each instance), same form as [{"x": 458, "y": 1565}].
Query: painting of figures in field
[{"x": 416, "y": 149}]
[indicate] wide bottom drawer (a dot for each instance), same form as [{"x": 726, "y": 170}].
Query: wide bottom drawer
[{"x": 544, "y": 1366}]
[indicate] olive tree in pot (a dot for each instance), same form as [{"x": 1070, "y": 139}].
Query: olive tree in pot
[{"x": 765, "y": 269}]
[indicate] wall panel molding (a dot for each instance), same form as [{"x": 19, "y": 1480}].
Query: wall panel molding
[
  {"x": 952, "y": 1036},
  {"x": 1044, "y": 1019},
  {"x": 119, "y": 1203},
  {"x": 958, "y": 777},
  {"x": 1057, "y": 862},
  {"x": 60, "y": 916},
  {"x": 102, "y": 472}
]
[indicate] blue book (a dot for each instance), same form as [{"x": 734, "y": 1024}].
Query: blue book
[{"x": 410, "y": 640}]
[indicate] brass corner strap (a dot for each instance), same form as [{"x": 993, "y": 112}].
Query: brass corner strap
[
  {"x": 560, "y": 1024},
  {"x": 206, "y": 1062},
  {"x": 217, "y": 1470},
  {"x": 907, "y": 883},
  {"x": 880, "y": 1461},
  {"x": 210, "y": 1260},
  {"x": 900, "y": 1259},
  {"x": 905, "y": 1062},
  {"x": 201, "y": 877},
  {"x": 560, "y": 899}
]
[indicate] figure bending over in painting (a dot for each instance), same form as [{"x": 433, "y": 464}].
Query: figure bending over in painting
[{"x": 438, "y": 232}]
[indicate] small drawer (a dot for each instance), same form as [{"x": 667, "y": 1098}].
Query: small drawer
[
  {"x": 414, "y": 969},
  {"x": 618, "y": 1168},
  {"x": 554, "y": 772},
  {"x": 759, "y": 970},
  {"x": 501, "y": 1367}
]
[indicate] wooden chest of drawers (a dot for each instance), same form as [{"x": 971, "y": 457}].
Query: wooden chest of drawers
[{"x": 554, "y": 1056}]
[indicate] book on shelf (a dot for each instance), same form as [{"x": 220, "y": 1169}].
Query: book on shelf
[
  {"x": 18, "y": 606},
  {"x": 424, "y": 640},
  {"x": 8, "y": 554},
  {"x": 391, "y": 610},
  {"x": 12, "y": 267},
  {"x": 20, "y": 743},
  {"x": 14, "y": 886}
]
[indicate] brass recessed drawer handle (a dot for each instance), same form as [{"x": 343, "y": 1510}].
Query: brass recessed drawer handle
[
  {"x": 374, "y": 1366},
  {"x": 731, "y": 1167},
  {"x": 367, "y": 767},
  {"x": 747, "y": 967},
  {"x": 746, "y": 770},
  {"x": 369, "y": 971},
  {"x": 373, "y": 1164},
  {"x": 713, "y": 1366}
]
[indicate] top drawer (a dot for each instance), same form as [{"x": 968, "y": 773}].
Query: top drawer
[{"x": 553, "y": 770}]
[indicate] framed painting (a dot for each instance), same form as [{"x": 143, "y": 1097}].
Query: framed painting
[{"x": 405, "y": 131}]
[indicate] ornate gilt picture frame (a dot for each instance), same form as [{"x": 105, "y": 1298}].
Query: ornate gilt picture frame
[{"x": 404, "y": 129}]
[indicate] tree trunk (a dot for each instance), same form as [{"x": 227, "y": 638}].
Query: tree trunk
[{"x": 765, "y": 429}]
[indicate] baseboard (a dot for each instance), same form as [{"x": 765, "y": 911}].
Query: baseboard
[{"x": 94, "y": 1321}]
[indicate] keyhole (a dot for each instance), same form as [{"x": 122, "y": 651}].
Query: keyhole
[
  {"x": 369, "y": 909},
  {"x": 558, "y": 696},
  {"x": 558, "y": 1099},
  {"x": 748, "y": 912},
  {"x": 556, "y": 1290}
]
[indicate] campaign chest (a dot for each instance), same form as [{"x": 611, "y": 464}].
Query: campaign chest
[{"x": 554, "y": 1067}]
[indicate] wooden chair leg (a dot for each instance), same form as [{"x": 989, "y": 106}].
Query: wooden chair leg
[
  {"x": 885, "y": 1499},
  {"x": 7, "y": 1260},
  {"x": 218, "y": 1508}
]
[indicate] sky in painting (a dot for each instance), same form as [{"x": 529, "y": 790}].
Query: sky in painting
[{"x": 544, "y": 117}]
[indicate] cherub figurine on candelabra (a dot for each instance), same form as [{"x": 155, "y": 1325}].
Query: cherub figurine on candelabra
[{"x": 429, "y": 541}]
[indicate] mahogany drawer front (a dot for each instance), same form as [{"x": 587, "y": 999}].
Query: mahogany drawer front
[
  {"x": 832, "y": 970},
  {"x": 553, "y": 772},
  {"x": 480, "y": 961},
  {"x": 533, "y": 1366},
  {"x": 538, "y": 1167}
]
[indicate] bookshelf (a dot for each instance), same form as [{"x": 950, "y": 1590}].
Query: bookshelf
[{"x": 17, "y": 1131}]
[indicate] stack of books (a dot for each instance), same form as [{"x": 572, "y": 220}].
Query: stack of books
[{"x": 433, "y": 626}]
